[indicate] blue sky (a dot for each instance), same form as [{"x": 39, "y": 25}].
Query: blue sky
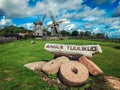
[{"x": 83, "y": 15}]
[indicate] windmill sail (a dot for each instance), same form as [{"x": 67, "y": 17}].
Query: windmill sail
[
  {"x": 43, "y": 18},
  {"x": 55, "y": 26}
]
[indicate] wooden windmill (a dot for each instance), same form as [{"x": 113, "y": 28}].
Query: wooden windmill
[
  {"x": 38, "y": 30},
  {"x": 54, "y": 26}
]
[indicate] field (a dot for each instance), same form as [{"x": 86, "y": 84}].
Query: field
[{"x": 13, "y": 56}]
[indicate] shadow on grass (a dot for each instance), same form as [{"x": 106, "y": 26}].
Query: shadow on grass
[{"x": 117, "y": 47}]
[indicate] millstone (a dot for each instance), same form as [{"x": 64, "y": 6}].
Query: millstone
[
  {"x": 53, "y": 66},
  {"x": 35, "y": 65},
  {"x": 62, "y": 59},
  {"x": 92, "y": 67},
  {"x": 73, "y": 73}
]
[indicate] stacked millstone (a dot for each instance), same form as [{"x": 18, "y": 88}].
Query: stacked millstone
[
  {"x": 91, "y": 66},
  {"x": 73, "y": 73},
  {"x": 52, "y": 67},
  {"x": 76, "y": 73}
]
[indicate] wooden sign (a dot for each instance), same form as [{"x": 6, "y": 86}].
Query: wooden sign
[{"x": 86, "y": 50}]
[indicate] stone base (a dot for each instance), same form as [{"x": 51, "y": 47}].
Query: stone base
[
  {"x": 35, "y": 65},
  {"x": 114, "y": 82}
]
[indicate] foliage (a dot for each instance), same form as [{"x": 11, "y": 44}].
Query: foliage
[
  {"x": 81, "y": 34},
  {"x": 75, "y": 33},
  {"x": 8, "y": 30},
  {"x": 86, "y": 34},
  {"x": 100, "y": 35},
  {"x": 52, "y": 76},
  {"x": 65, "y": 33}
]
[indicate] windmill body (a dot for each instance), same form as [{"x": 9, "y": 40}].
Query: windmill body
[
  {"x": 55, "y": 30},
  {"x": 38, "y": 29}
]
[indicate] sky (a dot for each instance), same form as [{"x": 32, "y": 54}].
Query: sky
[{"x": 96, "y": 16}]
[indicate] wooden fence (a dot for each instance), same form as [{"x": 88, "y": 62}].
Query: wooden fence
[
  {"x": 7, "y": 39},
  {"x": 117, "y": 40},
  {"x": 10, "y": 39}
]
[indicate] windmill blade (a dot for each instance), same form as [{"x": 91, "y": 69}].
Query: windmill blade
[
  {"x": 60, "y": 22},
  {"x": 39, "y": 18},
  {"x": 51, "y": 16},
  {"x": 55, "y": 26},
  {"x": 56, "y": 29},
  {"x": 43, "y": 18},
  {"x": 50, "y": 13},
  {"x": 50, "y": 25}
]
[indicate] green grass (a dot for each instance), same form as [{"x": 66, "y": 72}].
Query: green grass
[{"x": 13, "y": 56}]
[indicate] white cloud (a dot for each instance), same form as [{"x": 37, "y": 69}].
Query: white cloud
[
  {"x": 114, "y": 34},
  {"x": 18, "y": 8},
  {"x": 49, "y": 23},
  {"x": 91, "y": 13},
  {"x": 28, "y": 26},
  {"x": 91, "y": 18},
  {"x": 70, "y": 27},
  {"x": 113, "y": 23},
  {"x": 96, "y": 30},
  {"x": 5, "y": 22},
  {"x": 87, "y": 13},
  {"x": 67, "y": 25},
  {"x": 103, "y": 24},
  {"x": 81, "y": 30},
  {"x": 14, "y": 8}
]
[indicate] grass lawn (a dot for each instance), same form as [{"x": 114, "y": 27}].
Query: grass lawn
[{"x": 13, "y": 56}]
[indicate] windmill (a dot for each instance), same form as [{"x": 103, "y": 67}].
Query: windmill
[
  {"x": 54, "y": 26},
  {"x": 38, "y": 30}
]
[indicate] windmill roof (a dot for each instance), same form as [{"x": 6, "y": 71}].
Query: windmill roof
[{"x": 38, "y": 23}]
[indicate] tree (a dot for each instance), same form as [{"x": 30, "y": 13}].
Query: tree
[
  {"x": 87, "y": 33},
  {"x": 48, "y": 33},
  {"x": 64, "y": 33},
  {"x": 100, "y": 36},
  {"x": 75, "y": 33},
  {"x": 8, "y": 30},
  {"x": 82, "y": 33}
]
